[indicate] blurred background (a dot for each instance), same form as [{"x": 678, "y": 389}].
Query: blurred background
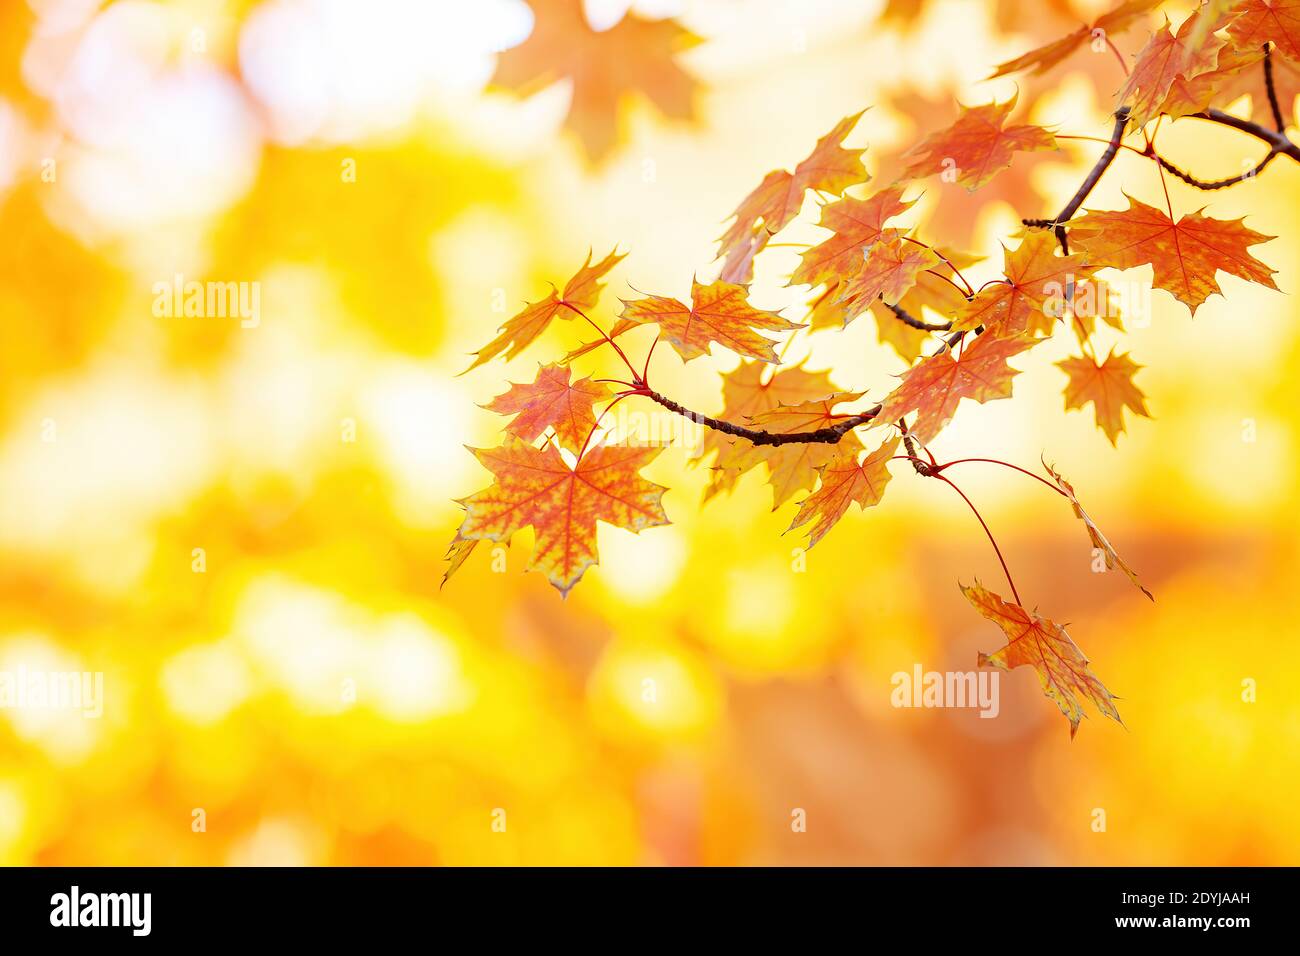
[{"x": 240, "y": 522}]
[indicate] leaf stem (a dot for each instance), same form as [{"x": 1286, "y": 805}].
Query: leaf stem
[
  {"x": 1004, "y": 464},
  {"x": 992, "y": 540},
  {"x": 630, "y": 367}
]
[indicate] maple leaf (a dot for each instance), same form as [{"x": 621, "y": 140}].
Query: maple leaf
[
  {"x": 1278, "y": 21},
  {"x": 1099, "y": 541},
  {"x": 1109, "y": 386},
  {"x": 978, "y": 146},
  {"x": 748, "y": 391},
  {"x": 794, "y": 467},
  {"x": 778, "y": 198},
  {"x": 458, "y": 553},
  {"x": 1210, "y": 17},
  {"x": 1045, "y": 57},
  {"x": 934, "y": 387},
  {"x": 580, "y": 294},
  {"x": 550, "y": 401},
  {"x": 958, "y": 211},
  {"x": 1187, "y": 96},
  {"x": 1184, "y": 255},
  {"x": 562, "y": 504},
  {"x": 604, "y": 67},
  {"x": 1092, "y": 299},
  {"x": 1045, "y": 646},
  {"x": 889, "y": 270},
  {"x": 856, "y": 224},
  {"x": 1035, "y": 294},
  {"x": 827, "y": 311},
  {"x": 805, "y": 416},
  {"x": 1166, "y": 58},
  {"x": 844, "y": 480},
  {"x": 719, "y": 313},
  {"x": 906, "y": 341}
]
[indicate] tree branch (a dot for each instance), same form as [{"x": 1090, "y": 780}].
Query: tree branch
[
  {"x": 1279, "y": 144},
  {"x": 829, "y": 435},
  {"x": 908, "y": 319},
  {"x": 1272, "y": 89},
  {"x": 1218, "y": 183},
  {"x": 1278, "y": 141},
  {"x": 1057, "y": 224}
]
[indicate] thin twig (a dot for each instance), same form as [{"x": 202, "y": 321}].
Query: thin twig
[
  {"x": 1279, "y": 145},
  {"x": 829, "y": 435},
  {"x": 1272, "y": 89},
  {"x": 908, "y": 319},
  {"x": 1218, "y": 183},
  {"x": 1279, "y": 141},
  {"x": 1057, "y": 225}
]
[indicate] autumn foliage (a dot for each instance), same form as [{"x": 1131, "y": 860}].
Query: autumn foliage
[{"x": 829, "y": 442}]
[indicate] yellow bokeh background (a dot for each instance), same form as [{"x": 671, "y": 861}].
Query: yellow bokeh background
[{"x": 242, "y": 528}]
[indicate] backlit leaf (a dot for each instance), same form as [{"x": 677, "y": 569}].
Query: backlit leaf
[
  {"x": 778, "y": 198},
  {"x": 1184, "y": 255},
  {"x": 550, "y": 401},
  {"x": 535, "y": 487},
  {"x": 1035, "y": 641},
  {"x": 935, "y": 386},
  {"x": 978, "y": 146},
  {"x": 844, "y": 480},
  {"x": 1109, "y": 386}
]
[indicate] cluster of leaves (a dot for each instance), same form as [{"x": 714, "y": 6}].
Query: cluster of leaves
[{"x": 805, "y": 428}]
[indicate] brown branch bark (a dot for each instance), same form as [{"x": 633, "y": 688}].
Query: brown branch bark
[
  {"x": 910, "y": 320},
  {"x": 1057, "y": 224},
  {"x": 829, "y": 435},
  {"x": 1269, "y": 85},
  {"x": 1278, "y": 141},
  {"x": 1218, "y": 183}
]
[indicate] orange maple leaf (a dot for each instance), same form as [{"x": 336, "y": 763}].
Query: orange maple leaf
[
  {"x": 1278, "y": 21},
  {"x": 889, "y": 270},
  {"x": 1184, "y": 255},
  {"x": 562, "y": 504},
  {"x": 458, "y": 553},
  {"x": 844, "y": 480},
  {"x": 1099, "y": 541},
  {"x": 1166, "y": 58},
  {"x": 550, "y": 401},
  {"x": 1092, "y": 299},
  {"x": 793, "y": 468},
  {"x": 1045, "y": 57},
  {"x": 719, "y": 313},
  {"x": 605, "y": 68},
  {"x": 748, "y": 391},
  {"x": 1046, "y": 647},
  {"x": 1109, "y": 386},
  {"x": 580, "y": 295},
  {"x": 976, "y": 147},
  {"x": 856, "y": 224},
  {"x": 934, "y": 387},
  {"x": 1036, "y": 291},
  {"x": 1192, "y": 95},
  {"x": 778, "y": 198},
  {"x": 805, "y": 416}
]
